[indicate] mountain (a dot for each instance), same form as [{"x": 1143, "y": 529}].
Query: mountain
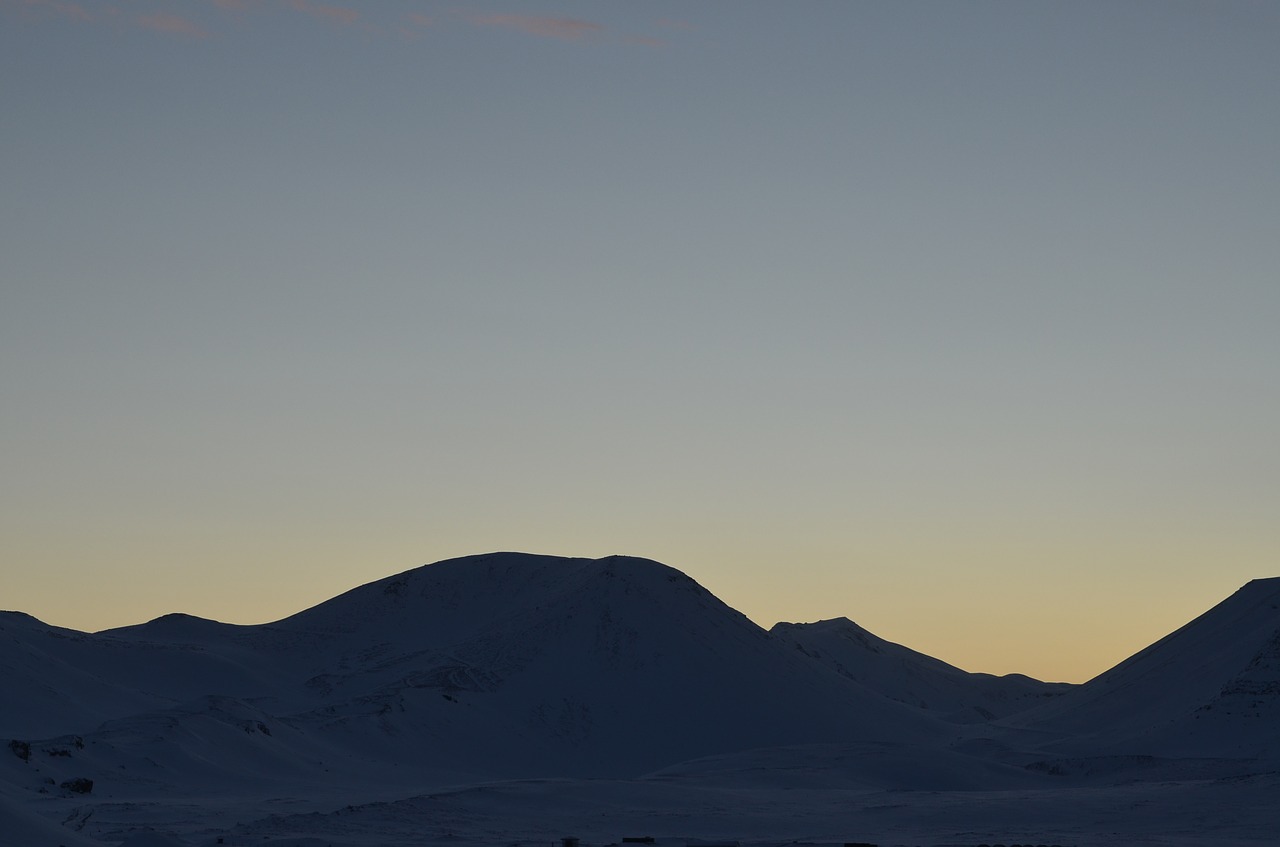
[
  {"x": 62, "y": 681},
  {"x": 463, "y": 695},
  {"x": 50, "y": 681},
  {"x": 537, "y": 664},
  {"x": 902, "y": 674},
  {"x": 1211, "y": 688},
  {"x": 502, "y": 665}
]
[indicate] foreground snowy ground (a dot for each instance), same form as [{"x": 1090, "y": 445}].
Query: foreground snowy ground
[{"x": 1215, "y": 813}]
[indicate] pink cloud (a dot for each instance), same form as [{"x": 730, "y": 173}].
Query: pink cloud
[
  {"x": 568, "y": 29},
  {"x": 172, "y": 24},
  {"x": 338, "y": 14},
  {"x": 71, "y": 11},
  {"x": 232, "y": 5},
  {"x": 668, "y": 23},
  {"x": 419, "y": 19},
  {"x": 645, "y": 41}
]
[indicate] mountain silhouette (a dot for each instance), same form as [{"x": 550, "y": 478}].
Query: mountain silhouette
[{"x": 542, "y": 671}]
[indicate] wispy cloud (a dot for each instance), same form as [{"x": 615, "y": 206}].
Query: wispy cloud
[
  {"x": 172, "y": 24},
  {"x": 407, "y": 22},
  {"x": 567, "y": 29},
  {"x": 415, "y": 23},
  {"x": 337, "y": 14},
  {"x": 669, "y": 23},
  {"x": 70, "y": 11}
]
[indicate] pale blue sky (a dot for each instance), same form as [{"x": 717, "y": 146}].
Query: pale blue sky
[{"x": 958, "y": 319}]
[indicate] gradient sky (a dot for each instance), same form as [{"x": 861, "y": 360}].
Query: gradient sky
[{"x": 956, "y": 319}]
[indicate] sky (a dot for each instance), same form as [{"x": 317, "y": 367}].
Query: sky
[{"x": 957, "y": 319}]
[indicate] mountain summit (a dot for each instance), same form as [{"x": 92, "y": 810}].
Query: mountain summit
[{"x": 605, "y": 666}]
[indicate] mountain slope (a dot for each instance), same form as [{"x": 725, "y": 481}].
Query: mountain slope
[
  {"x": 612, "y": 666},
  {"x": 479, "y": 672},
  {"x": 52, "y": 682},
  {"x": 1211, "y": 688},
  {"x": 902, "y": 674},
  {"x": 499, "y": 665},
  {"x": 61, "y": 681},
  {"x": 19, "y": 825},
  {"x": 517, "y": 665}
]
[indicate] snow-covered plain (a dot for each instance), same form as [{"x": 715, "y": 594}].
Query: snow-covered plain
[{"x": 518, "y": 699}]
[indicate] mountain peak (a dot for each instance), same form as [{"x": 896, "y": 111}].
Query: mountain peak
[
  {"x": 19, "y": 618},
  {"x": 176, "y": 626},
  {"x": 1262, "y": 585},
  {"x": 911, "y": 677}
]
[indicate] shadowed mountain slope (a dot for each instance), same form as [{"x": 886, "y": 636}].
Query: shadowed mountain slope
[
  {"x": 600, "y": 666},
  {"x": 62, "y": 681},
  {"x": 903, "y": 674},
  {"x": 1211, "y": 688},
  {"x": 504, "y": 664},
  {"x": 489, "y": 675},
  {"x": 509, "y": 665}
]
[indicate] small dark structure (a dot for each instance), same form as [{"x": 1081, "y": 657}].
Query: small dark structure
[{"x": 79, "y": 785}]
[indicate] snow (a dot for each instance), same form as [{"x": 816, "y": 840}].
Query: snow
[
  {"x": 511, "y": 698},
  {"x": 902, "y": 674},
  {"x": 1210, "y": 688}
]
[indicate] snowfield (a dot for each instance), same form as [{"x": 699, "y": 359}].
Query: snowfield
[{"x": 517, "y": 699}]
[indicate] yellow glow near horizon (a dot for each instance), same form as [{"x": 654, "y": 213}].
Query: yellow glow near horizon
[
  {"x": 908, "y": 324},
  {"x": 1059, "y": 622}
]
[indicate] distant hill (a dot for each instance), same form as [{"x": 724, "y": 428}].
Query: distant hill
[
  {"x": 902, "y": 674},
  {"x": 1211, "y": 688}
]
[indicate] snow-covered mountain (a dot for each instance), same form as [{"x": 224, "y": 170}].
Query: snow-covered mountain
[
  {"x": 903, "y": 674},
  {"x": 542, "y": 664},
  {"x": 513, "y": 666},
  {"x": 1211, "y": 688},
  {"x": 60, "y": 680},
  {"x": 506, "y": 664}
]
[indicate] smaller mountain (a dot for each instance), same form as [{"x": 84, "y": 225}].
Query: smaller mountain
[
  {"x": 907, "y": 676},
  {"x": 1209, "y": 689},
  {"x": 59, "y": 680}
]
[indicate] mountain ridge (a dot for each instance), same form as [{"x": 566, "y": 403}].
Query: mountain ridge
[
  {"x": 909, "y": 676},
  {"x": 510, "y": 669},
  {"x": 1171, "y": 694},
  {"x": 558, "y": 651}
]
